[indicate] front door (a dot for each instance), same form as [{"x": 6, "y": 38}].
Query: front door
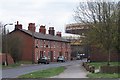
[
  {"x": 41, "y": 53},
  {"x": 51, "y": 56}
]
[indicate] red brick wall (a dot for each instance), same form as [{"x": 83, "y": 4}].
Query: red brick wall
[
  {"x": 98, "y": 54},
  {"x": 3, "y": 58},
  {"x": 26, "y": 44},
  {"x": 56, "y": 47},
  {"x": 41, "y": 45}
]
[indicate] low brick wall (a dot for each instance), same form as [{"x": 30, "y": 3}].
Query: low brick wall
[
  {"x": 3, "y": 59},
  {"x": 88, "y": 67},
  {"x": 110, "y": 69},
  {"x": 98, "y": 55}
]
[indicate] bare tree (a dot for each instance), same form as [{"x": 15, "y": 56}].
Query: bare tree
[
  {"x": 11, "y": 45},
  {"x": 101, "y": 17},
  {"x": 1, "y": 27},
  {"x": 118, "y": 25},
  {"x": 14, "y": 47}
]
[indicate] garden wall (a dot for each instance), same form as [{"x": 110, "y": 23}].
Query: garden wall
[
  {"x": 110, "y": 69},
  {"x": 3, "y": 59},
  {"x": 98, "y": 54}
]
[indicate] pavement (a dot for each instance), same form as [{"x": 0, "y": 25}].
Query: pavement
[{"x": 73, "y": 71}]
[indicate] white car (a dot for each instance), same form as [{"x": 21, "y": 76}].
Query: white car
[{"x": 61, "y": 59}]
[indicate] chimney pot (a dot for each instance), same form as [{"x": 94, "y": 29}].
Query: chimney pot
[
  {"x": 42, "y": 29},
  {"x": 51, "y": 31},
  {"x": 58, "y": 34},
  {"x": 31, "y": 27},
  {"x": 17, "y": 22},
  {"x": 18, "y": 26}
]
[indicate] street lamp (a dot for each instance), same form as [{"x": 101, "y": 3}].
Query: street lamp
[{"x": 5, "y": 34}]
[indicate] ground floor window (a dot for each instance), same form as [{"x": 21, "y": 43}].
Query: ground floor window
[{"x": 60, "y": 53}]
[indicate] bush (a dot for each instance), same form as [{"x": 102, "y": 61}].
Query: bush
[{"x": 88, "y": 67}]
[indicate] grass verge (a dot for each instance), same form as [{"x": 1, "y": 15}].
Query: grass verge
[
  {"x": 16, "y": 64},
  {"x": 11, "y": 66},
  {"x": 103, "y": 75},
  {"x": 98, "y": 64},
  {"x": 44, "y": 73}
]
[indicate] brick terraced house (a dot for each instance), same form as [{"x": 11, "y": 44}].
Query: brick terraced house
[{"x": 38, "y": 44}]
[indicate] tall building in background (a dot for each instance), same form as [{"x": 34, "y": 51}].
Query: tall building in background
[{"x": 77, "y": 46}]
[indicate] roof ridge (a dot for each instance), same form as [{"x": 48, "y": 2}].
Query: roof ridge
[{"x": 44, "y": 36}]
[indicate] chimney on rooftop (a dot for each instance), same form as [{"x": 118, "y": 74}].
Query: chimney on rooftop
[
  {"x": 18, "y": 26},
  {"x": 51, "y": 31},
  {"x": 58, "y": 34},
  {"x": 42, "y": 29},
  {"x": 31, "y": 27}
]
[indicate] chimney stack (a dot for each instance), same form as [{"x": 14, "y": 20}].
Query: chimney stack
[
  {"x": 51, "y": 31},
  {"x": 42, "y": 29},
  {"x": 18, "y": 26},
  {"x": 58, "y": 34},
  {"x": 31, "y": 27}
]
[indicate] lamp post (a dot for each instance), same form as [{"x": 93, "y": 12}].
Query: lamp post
[{"x": 5, "y": 34}]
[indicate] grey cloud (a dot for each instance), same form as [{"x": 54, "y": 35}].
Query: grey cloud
[{"x": 54, "y": 13}]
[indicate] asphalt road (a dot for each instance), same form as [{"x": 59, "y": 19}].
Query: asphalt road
[{"x": 15, "y": 72}]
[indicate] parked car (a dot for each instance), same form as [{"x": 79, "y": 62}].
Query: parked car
[
  {"x": 61, "y": 59},
  {"x": 78, "y": 57},
  {"x": 44, "y": 60}
]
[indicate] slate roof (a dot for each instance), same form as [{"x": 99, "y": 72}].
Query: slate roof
[{"x": 44, "y": 36}]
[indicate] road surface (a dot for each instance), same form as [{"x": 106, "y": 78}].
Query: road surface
[{"x": 15, "y": 72}]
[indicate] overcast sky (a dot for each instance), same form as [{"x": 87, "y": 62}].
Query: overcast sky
[{"x": 55, "y": 13}]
